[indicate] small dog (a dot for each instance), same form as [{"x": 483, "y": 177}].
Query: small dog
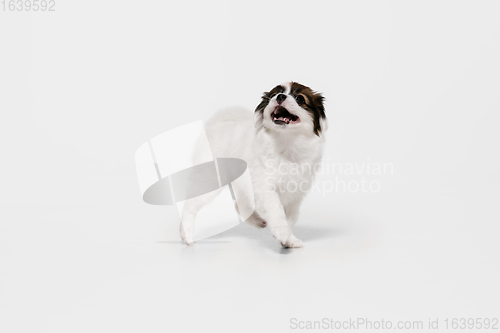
[{"x": 281, "y": 143}]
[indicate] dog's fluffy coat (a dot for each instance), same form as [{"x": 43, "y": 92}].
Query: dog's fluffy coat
[{"x": 286, "y": 129}]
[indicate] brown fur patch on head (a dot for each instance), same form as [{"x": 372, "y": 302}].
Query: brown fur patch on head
[
  {"x": 266, "y": 97},
  {"x": 311, "y": 101}
]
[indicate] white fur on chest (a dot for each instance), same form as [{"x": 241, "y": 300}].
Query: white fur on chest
[{"x": 284, "y": 164}]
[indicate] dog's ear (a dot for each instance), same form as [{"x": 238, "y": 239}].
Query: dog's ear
[
  {"x": 324, "y": 124},
  {"x": 259, "y": 111},
  {"x": 321, "y": 122}
]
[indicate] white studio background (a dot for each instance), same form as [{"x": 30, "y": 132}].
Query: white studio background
[{"x": 411, "y": 84}]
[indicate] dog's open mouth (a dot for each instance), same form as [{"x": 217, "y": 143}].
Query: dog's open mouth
[{"x": 281, "y": 116}]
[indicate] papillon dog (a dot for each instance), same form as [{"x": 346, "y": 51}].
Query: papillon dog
[{"x": 281, "y": 143}]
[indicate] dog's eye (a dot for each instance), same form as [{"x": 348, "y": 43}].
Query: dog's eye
[{"x": 300, "y": 99}]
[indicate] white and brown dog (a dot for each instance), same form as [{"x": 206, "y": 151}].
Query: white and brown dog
[{"x": 281, "y": 144}]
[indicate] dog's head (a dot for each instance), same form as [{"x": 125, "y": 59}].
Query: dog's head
[{"x": 292, "y": 107}]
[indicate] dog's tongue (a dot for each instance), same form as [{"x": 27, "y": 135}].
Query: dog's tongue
[
  {"x": 281, "y": 116},
  {"x": 283, "y": 119}
]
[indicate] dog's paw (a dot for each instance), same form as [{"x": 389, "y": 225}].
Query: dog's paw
[
  {"x": 281, "y": 234},
  {"x": 294, "y": 242},
  {"x": 186, "y": 234}
]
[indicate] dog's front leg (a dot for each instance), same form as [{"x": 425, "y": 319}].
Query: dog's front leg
[
  {"x": 271, "y": 210},
  {"x": 292, "y": 215}
]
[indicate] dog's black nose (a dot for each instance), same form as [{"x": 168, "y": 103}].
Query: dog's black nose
[{"x": 280, "y": 98}]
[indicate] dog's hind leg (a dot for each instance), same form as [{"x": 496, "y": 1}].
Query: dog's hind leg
[{"x": 188, "y": 214}]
